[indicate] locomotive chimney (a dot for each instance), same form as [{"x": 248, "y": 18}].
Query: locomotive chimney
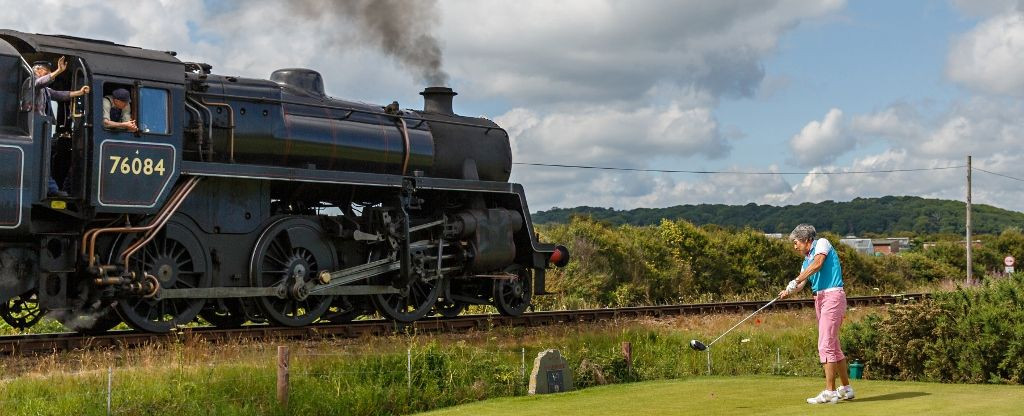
[{"x": 438, "y": 100}]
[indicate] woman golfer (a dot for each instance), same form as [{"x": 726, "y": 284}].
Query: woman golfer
[{"x": 821, "y": 267}]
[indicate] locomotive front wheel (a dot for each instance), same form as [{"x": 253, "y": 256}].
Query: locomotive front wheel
[
  {"x": 512, "y": 296},
  {"x": 178, "y": 261},
  {"x": 292, "y": 252},
  {"x": 21, "y": 312}
]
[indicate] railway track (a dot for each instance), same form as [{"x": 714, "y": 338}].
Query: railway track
[{"x": 59, "y": 342}]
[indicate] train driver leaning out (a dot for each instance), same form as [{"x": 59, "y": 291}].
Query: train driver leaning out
[
  {"x": 117, "y": 106},
  {"x": 43, "y": 94}
]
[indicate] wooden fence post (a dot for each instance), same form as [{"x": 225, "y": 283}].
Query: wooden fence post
[
  {"x": 627, "y": 353},
  {"x": 282, "y": 375}
]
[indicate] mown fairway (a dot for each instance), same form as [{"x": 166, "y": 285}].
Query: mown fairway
[{"x": 703, "y": 396}]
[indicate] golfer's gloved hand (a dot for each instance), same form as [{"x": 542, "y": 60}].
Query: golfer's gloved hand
[{"x": 791, "y": 287}]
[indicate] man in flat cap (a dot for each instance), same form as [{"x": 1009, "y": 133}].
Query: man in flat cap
[{"x": 117, "y": 111}]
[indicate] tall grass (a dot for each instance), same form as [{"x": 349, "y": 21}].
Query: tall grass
[{"x": 369, "y": 376}]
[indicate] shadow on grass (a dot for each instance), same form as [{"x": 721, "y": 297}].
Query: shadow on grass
[{"x": 892, "y": 396}]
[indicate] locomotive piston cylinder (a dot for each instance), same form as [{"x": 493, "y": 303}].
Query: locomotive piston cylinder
[{"x": 489, "y": 233}]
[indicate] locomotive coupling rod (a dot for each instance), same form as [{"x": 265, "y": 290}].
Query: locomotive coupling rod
[
  {"x": 255, "y": 292},
  {"x": 223, "y": 292}
]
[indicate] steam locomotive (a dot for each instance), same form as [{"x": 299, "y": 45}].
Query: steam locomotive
[{"x": 246, "y": 200}]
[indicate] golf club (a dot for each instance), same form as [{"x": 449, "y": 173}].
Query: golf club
[{"x": 699, "y": 346}]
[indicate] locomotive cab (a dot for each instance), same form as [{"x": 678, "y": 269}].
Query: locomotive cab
[{"x": 97, "y": 167}]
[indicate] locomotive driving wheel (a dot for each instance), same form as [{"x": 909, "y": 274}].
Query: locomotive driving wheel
[
  {"x": 513, "y": 295},
  {"x": 290, "y": 254},
  {"x": 413, "y": 301},
  {"x": 178, "y": 261},
  {"x": 23, "y": 311}
]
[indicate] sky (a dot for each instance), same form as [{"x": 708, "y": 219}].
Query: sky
[{"x": 796, "y": 86}]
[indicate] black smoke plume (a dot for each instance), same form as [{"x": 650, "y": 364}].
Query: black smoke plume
[{"x": 400, "y": 29}]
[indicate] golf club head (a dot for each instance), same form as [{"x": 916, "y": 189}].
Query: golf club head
[{"x": 697, "y": 345}]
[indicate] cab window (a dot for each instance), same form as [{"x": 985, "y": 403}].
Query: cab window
[
  {"x": 153, "y": 117},
  {"x": 14, "y": 78}
]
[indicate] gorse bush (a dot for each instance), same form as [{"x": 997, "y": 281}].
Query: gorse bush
[
  {"x": 678, "y": 261},
  {"x": 966, "y": 336}
]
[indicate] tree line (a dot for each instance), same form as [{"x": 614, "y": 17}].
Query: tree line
[{"x": 890, "y": 215}]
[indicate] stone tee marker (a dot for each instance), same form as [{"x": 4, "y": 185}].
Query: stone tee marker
[{"x": 551, "y": 373}]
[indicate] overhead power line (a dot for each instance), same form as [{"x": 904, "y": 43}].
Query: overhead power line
[
  {"x": 999, "y": 174},
  {"x": 729, "y": 172}
]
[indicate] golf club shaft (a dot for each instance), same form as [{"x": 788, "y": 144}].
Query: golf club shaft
[{"x": 744, "y": 320}]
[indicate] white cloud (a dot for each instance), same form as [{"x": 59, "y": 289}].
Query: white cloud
[
  {"x": 817, "y": 186},
  {"x": 982, "y": 126},
  {"x": 988, "y": 57},
  {"x": 585, "y": 51},
  {"x": 624, "y": 137},
  {"x": 821, "y": 142}
]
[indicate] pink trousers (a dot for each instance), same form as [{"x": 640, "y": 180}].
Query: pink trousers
[{"x": 830, "y": 308}]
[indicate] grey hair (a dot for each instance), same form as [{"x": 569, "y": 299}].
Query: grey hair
[{"x": 803, "y": 233}]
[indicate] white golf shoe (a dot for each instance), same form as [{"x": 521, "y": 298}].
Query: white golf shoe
[
  {"x": 825, "y": 397},
  {"x": 845, "y": 392}
]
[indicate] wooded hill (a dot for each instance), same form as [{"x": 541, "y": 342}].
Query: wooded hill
[{"x": 886, "y": 215}]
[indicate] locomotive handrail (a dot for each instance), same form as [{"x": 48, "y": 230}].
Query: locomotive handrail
[
  {"x": 405, "y": 139},
  {"x": 202, "y": 128},
  {"x": 231, "y": 127},
  {"x": 350, "y": 109},
  {"x": 189, "y": 101}
]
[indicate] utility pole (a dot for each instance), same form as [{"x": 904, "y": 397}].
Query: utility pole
[{"x": 970, "y": 272}]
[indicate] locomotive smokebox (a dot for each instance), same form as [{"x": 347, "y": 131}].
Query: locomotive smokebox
[{"x": 438, "y": 100}]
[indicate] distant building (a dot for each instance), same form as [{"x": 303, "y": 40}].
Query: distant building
[
  {"x": 862, "y": 245},
  {"x": 885, "y": 246},
  {"x": 777, "y": 236}
]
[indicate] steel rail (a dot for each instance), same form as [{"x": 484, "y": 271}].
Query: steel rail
[{"x": 36, "y": 344}]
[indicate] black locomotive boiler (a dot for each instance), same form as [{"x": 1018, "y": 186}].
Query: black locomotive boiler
[{"x": 247, "y": 200}]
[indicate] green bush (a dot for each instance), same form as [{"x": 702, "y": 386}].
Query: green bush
[
  {"x": 677, "y": 261},
  {"x": 966, "y": 336}
]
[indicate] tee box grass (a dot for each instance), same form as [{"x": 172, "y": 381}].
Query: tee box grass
[{"x": 760, "y": 395}]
